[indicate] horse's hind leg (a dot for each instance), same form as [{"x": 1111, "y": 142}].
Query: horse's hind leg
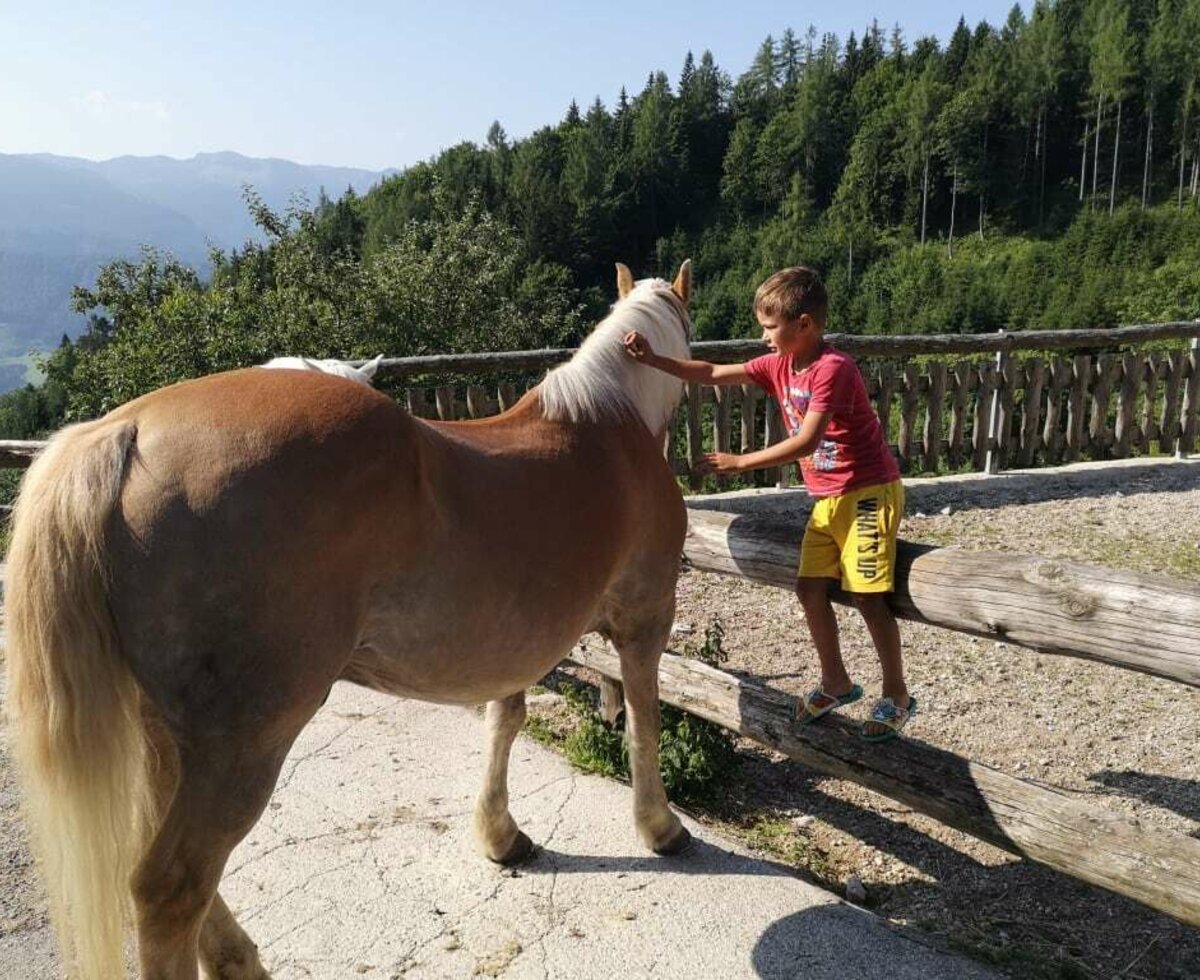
[
  {"x": 226, "y": 952},
  {"x": 640, "y": 652},
  {"x": 219, "y": 794},
  {"x": 495, "y": 828}
]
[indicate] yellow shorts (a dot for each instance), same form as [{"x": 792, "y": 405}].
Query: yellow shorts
[{"x": 852, "y": 538}]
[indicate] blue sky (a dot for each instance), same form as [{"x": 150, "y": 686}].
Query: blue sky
[{"x": 367, "y": 84}]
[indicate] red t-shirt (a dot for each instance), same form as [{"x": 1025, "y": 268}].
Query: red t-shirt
[{"x": 853, "y": 452}]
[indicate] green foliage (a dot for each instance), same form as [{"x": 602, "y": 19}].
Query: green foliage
[
  {"x": 696, "y": 757},
  {"x": 459, "y": 280}
]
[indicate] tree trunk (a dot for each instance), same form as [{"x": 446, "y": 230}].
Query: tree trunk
[
  {"x": 1042, "y": 160},
  {"x": 924, "y": 195},
  {"x": 1182, "y": 159},
  {"x": 1149, "y": 156},
  {"x": 953, "y": 205},
  {"x": 1096, "y": 159},
  {"x": 982, "y": 187},
  {"x": 1112, "y": 187},
  {"x": 1087, "y": 132}
]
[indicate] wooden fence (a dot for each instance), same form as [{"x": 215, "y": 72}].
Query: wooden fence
[
  {"x": 1050, "y": 606},
  {"x": 980, "y": 402},
  {"x": 947, "y": 402}
]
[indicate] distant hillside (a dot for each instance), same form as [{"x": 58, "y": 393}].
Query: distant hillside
[{"x": 61, "y": 218}]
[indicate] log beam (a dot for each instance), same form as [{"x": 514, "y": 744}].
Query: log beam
[
  {"x": 1140, "y": 622},
  {"x": 1158, "y": 868}
]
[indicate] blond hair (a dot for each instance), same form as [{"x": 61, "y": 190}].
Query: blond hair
[{"x": 791, "y": 292}]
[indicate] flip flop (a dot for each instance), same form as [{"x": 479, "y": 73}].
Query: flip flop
[
  {"x": 886, "y": 712},
  {"x": 805, "y": 712}
]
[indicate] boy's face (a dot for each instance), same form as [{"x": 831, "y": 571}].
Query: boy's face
[{"x": 799, "y": 338}]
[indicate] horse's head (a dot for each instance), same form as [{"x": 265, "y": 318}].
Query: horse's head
[
  {"x": 680, "y": 290},
  {"x": 602, "y": 380}
]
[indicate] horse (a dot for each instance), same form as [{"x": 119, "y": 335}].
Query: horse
[
  {"x": 362, "y": 374},
  {"x": 190, "y": 574}
]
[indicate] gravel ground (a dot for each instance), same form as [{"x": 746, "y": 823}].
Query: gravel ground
[{"x": 1124, "y": 740}]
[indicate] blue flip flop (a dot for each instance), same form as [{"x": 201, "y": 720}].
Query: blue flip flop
[
  {"x": 804, "y": 713},
  {"x": 886, "y": 712}
]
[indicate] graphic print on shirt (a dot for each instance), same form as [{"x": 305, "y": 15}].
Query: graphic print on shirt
[
  {"x": 824, "y": 457},
  {"x": 795, "y": 407}
]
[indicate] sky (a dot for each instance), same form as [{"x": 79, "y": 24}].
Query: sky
[{"x": 367, "y": 83}]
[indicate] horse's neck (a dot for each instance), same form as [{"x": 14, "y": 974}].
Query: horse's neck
[{"x": 525, "y": 431}]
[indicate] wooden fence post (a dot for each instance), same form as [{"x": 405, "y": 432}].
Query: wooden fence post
[
  {"x": 722, "y": 424},
  {"x": 1031, "y": 411},
  {"x": 774, "y": 434},
  {"x": 992, "y": 459},
  {"x": 695, "y": 443},
  {"x": 1081, "y": 373},
  {"x": 1191, "y": 403},
  {"x": 933, "y": 416}
]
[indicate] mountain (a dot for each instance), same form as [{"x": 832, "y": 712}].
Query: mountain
[{"x": 62, "y": 218}]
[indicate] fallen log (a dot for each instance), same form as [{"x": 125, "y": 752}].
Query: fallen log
[
  {"x": 1141, "y": 622},
  {"x": 1158, "y": 868}
]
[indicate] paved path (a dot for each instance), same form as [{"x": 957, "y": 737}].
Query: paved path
[{"x": 363, "y": 866}]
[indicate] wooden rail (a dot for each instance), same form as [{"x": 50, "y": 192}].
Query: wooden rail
[
  {"x": 729, "y": 351},
  {"x": 1139, "y": 622},
  {"x": 1158, "y": 868}
]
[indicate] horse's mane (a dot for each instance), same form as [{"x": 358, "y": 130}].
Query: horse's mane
[{"x": 602, "y": 381}]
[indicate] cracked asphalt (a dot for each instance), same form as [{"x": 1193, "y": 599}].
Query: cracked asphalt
[{"x": 364, "y": 865}]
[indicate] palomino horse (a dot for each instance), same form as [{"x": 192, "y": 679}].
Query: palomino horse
[{"x": 190, "y": 574}]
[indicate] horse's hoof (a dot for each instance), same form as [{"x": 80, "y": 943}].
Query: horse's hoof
[
  {"x": 676, "y": 845},
  {"x": 520, "y": 849}
]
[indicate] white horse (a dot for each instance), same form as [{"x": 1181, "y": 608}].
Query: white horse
[{"x": 363, "y": 374}]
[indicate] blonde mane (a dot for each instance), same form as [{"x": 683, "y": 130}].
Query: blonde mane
[{"x": 602, "y": 381}]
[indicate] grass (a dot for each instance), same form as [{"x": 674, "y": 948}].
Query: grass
[
  {"x": 696, "y": 757},
  {"x": 777, "y": 836}
]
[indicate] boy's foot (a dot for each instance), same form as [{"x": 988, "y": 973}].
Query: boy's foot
[
  {"x": 816, "y": 704},
  {"x": 887, "y": 719}
]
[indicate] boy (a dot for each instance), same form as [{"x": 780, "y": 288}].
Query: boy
[{"x": 846, "y": 464}]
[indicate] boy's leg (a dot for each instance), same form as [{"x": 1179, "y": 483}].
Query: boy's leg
[
  {"x": 823, "y": 627},
  {"x": 820, "y": 566},
  {"x": 868, "y": 571},
  {"x": 885, "y": 634}
]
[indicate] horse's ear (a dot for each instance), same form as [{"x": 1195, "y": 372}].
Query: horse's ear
[
  {"x": 682, "y": 285},
  {"x": 624, "y": 280}
]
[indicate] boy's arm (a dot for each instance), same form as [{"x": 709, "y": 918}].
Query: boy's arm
[
  {"x": 700, "y": 372},
  {"x": 793, "y": 448}
]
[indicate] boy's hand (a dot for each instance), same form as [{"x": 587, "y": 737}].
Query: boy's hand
[
  {"x": 719, "y": 464},
  {"x": 638, "y": 347}
]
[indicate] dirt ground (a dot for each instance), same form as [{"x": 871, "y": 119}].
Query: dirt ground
[{"x": 1126, "y": 741}]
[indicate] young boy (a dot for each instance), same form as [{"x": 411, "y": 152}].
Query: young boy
[{"x": 847, "y": 465}]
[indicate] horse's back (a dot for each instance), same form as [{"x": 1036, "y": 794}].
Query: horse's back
[{"x": 253, "y": 505}]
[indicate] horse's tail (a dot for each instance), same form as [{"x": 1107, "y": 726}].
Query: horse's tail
[{"x": 73, "y": 706}]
